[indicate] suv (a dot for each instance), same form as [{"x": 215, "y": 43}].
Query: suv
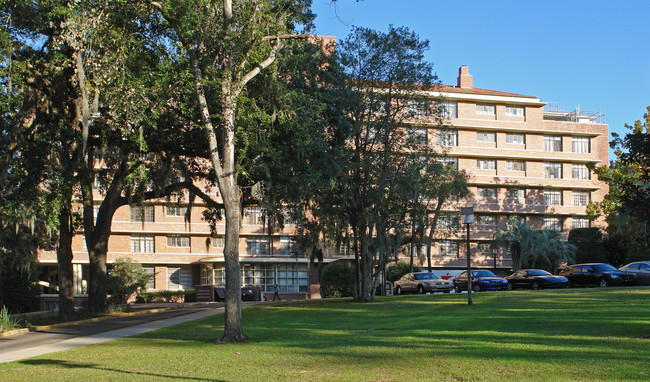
[
  {"x": 422, "y": 282},
  {"x": 598, "y": 274}
]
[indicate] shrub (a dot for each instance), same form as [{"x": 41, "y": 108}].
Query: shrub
[
  {"x": 395, "y": 271},
  {"x": 20, "y": 289},
  {"x": 589, "y": 243},
  {"x": 6, "y": 322},
  {"x": 188, "y": 295},
  {"x": 337, "y": 280},
  {"x": 126, "y": 278}
]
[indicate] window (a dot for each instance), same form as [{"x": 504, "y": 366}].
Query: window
[
  {"x": 553, "y": 224},
  {"x": 142, "y": 243},
  {"x": 179, "y": 278},
  {"x": 290, "y": 216},
  {"x": 486, "y": 220},
  {"x": 580, "y": 198},
  {"x": 552, "y": 170},
  {"x": 448, "y": 221},
  {"x": 142, "y": 213},
  {"x": 218, "y": 242},
  {"x": 255, "y": 215},
  {"x": 95, "y": 212},
  {"x": 486, "y": 192},
  {"x": 552, "y": 143},
  {"x": 448, "y": 248},
  {"x": 485, "y": 109},
  {"x": 486, "y": 136},
  {"x": 414, "y": 107},
  {"x": 515, "y": 165},
  {"x": 515, "y": 138},
  {"x": 580, "y": 145},
  {"x": 448, "y": 109},
  {"x": 257, "y": 245},
  {"x": 580, "y": 171},
  {"x": 486, "y": 164},
  {"x": 449, "y": 161},
  {"x": 515, "y": 193},
  {"x": 151, "y": 284},
  {"x": 579, "y": 222},
  {"x": 175, "y": 210},
  {"x": 178, "y": 241},
  {"x": 447, "y": 137},
  {"x": 417, "y": 136},
  {"x": 287, "y": 245},
  {"x": 552, "y": 197},
  {"x": 514, "y": 111},
  {"x": 484, "y": 248}
]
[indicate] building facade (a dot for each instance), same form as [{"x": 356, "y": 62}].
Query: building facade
[{"x": 522, "y": 158}]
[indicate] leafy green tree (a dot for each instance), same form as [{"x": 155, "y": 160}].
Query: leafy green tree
[
  {"x": 589, "y": 244},
  {"x": 625, "y": 241},
  {"x": 532, "y": 248},
  {"x": 337, "y": 279},
  {"x": 395, "y": 271},
  {"x": 126, "y": 278}
]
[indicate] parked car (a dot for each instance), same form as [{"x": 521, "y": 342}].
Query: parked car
[
  {"x": 422, "y": 282},
  {"x": 598, "y": 274},
  {"x": 641, "y": 269},
  {"x": 536, "y": 279},
  {"x": 481, "y": 281}
]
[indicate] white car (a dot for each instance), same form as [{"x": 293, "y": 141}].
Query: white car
[{"x": 422, "y": 282}]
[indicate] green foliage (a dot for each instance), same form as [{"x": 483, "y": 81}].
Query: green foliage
[
  {"x": 166, "y": 296},
  {"x": 532, "y": 248},
  {"x": 589, "y": 245},
  {"x": 6, "y": 322},
  {"x": 626, "y": 240},
  {"x": 395, "y": 271},
  {"x": 20, "y": 291},
  {"x": 337, "y": 280},
  {"x": 126, "y": 278}
]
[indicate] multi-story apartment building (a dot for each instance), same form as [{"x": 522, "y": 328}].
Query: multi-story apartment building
[{"x": 521, "y": 160}]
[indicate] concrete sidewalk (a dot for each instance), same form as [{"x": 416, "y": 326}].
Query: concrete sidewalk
[{"x": 48, "y": 343}]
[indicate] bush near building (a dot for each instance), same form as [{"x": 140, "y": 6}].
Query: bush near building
[
  {"x": 395, "y": 272},
  {"x": 126, "y": 278},
  {"x": 589, "y": 243},
  {"x": 337, "y": 280},
  {"x": 188, "y": 295}
]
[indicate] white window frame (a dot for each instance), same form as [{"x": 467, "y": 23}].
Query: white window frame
[
  {"x": 514, "y": 111},
  {"x": 447, "y": 137},
  {"x": 553, "y": 223},
  {"x": 255, "y": 215},
  {"x": 142, "y": 243},
  {"x": 287, "y": 245},
  {"x": 418, "y": 136},
  {"x": 486, "y": 192},
  {"x": 174, "y": 210},
  {"x": 178, "y": 241},
  {"x": 516, "y": 138},
  {"x": 580, "y": 171},
  {"x": 485, "y": 109},
  {"x": 553, "y": 170},
  {"x": 486, "y": 164},
  {"x": 553, "y": 143},
  {"x": 552, "y": 197},
  {"x": 580, "y": 145},
  {"x": 486, "y": 136},
  {"x": 257, "y": 245},
  {"x": 448, "y": 248},
  {"x": 515, "y": 193},
  {"x": 580, "y": 222},
  {"x": 580, "y": 198},
  {"x": 448, "y": 109},
  {"x": 488, "y": 220},
  {"x": 179, "y": 278},
  {"x": 142, "y": 214},
  {"x": 515, "y": 165}
]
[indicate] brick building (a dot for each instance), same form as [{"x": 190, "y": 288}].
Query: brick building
[{"x": 522, "y": 158}]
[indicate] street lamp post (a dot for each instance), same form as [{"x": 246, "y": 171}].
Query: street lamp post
[{"x": 468, "y": 212}]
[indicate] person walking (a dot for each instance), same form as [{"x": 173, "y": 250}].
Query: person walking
[{"x": 276, "y": 293}]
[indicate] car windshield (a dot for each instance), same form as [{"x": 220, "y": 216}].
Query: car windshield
[
  {"x": 483, "y": 274},
  {"x": 603, "y": 268},
  {"x": 538, "y": 272},
  {"x": 425, "y": 276}
]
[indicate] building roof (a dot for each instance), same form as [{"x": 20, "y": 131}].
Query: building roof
[{"x": 454, "y": 89}]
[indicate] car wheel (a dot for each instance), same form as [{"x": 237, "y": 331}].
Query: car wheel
[
  {"x": 603, "y": 282},
  {"x": 398, "y": 290},
  {"x": 456, "y": 289},
  {"x": 509, "y": 287},
  {"x": 420, "y": 289},
  {"x": 535, "y": 285},
  {"x": 445, "y": 291},
  {"x": 476, "y": 288}
]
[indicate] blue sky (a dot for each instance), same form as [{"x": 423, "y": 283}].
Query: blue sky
[{"x": 592, "y": 54}]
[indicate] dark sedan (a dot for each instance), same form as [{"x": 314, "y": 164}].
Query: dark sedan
[
  {"x": 536, "y": 279},
  {"x": 598, "y": 274},
  {"x": 641, "y": 269},
  {"x": 481, "y": 281}
]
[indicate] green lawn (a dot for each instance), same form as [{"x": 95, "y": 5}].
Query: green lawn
[{"x": 580, "y": 334}]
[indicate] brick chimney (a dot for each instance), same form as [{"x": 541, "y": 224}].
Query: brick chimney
[{"x": 464, "y": 78}]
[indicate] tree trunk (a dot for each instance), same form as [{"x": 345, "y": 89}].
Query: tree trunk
[
  {"x": 64, "y": 255},
  {"x": 97, "y": 253}
]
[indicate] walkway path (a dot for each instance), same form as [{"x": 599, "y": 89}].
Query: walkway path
[{"x": 54, "y": 339}]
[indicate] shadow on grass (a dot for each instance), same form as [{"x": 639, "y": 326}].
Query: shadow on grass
[{"x": 128, "y": 374}]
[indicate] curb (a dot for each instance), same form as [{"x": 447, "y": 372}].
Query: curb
[{"x": 73, "y": 323}]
